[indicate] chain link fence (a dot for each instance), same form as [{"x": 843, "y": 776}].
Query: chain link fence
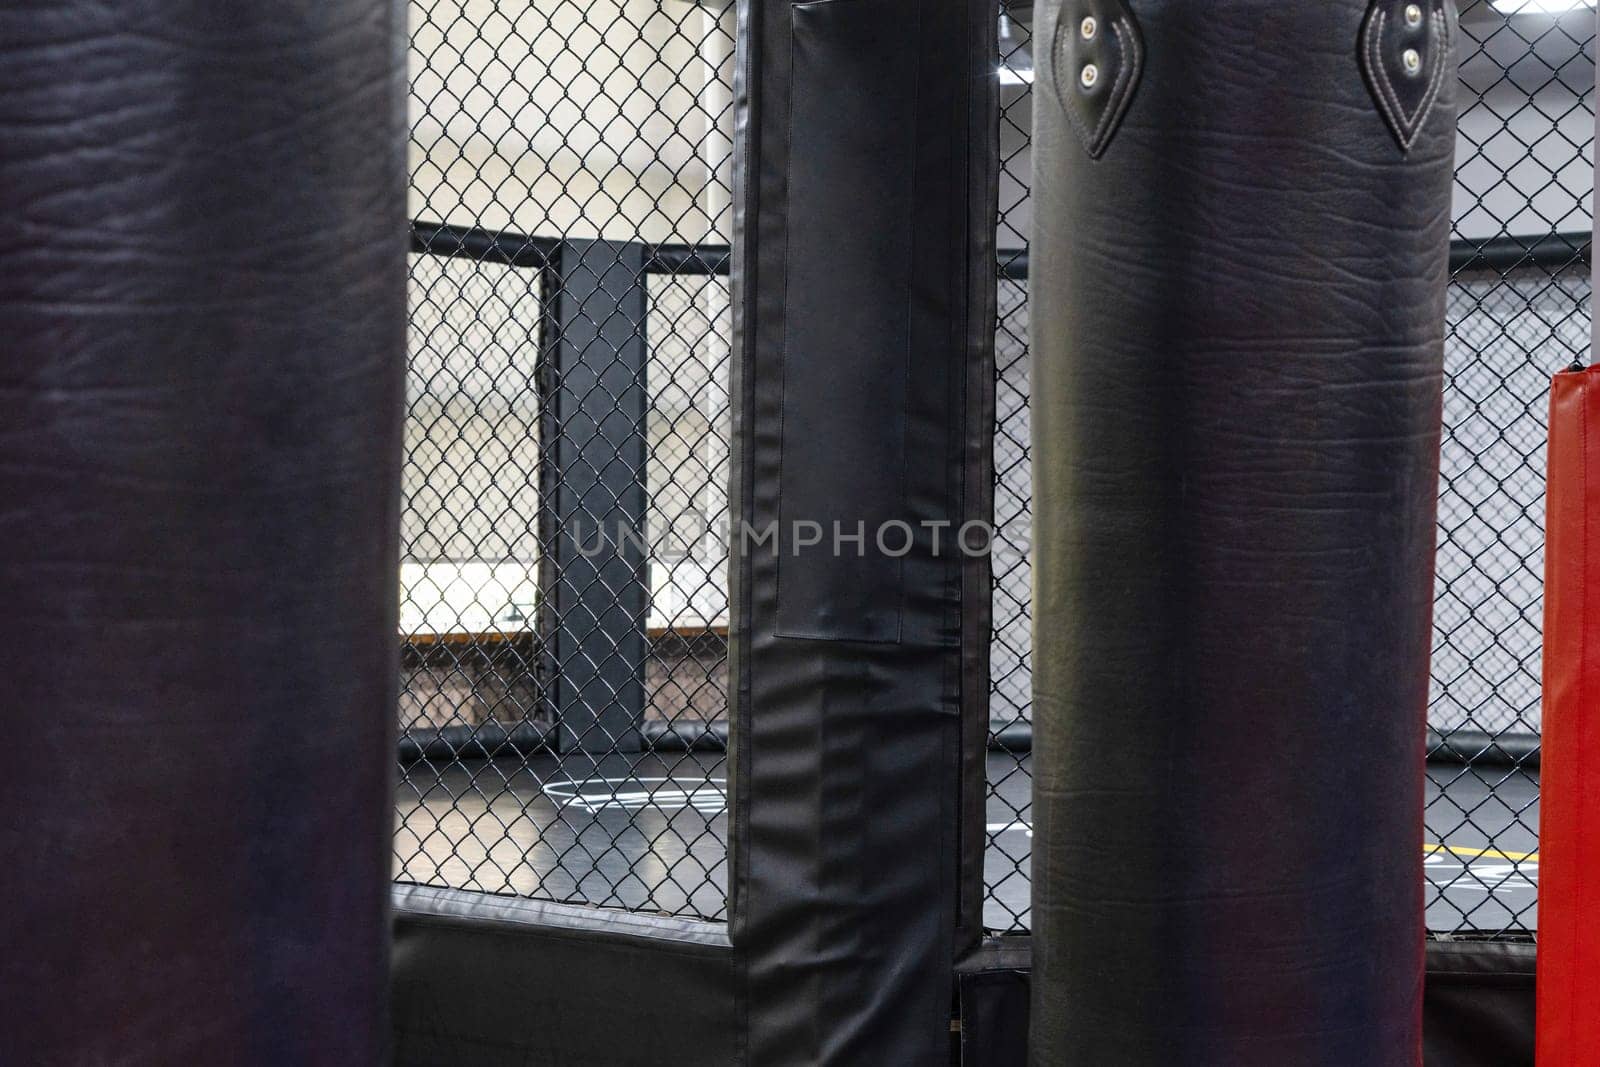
[
  {"x": 564, "y": 578},
  {"x": 1009, "y": 809},
  {"x": 1518, "y": 312},
  {"x": 561, "y": 714}
]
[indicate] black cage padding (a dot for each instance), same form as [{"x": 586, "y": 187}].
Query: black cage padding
[
  {"x": 863, "y": 287},
  {"x": 499, "y": 981}
]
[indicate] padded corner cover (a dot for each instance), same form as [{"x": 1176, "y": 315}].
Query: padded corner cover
[
  {"x": 1569, "y": 805},
  {"x": 863, "y": 391}
]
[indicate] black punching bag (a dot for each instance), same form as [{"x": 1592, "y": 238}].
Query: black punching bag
[
  {"x": 202, "y": 297},
  {"x": 1242, "y": 215}
]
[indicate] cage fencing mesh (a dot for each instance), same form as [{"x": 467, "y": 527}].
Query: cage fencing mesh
[
  {"x": 568, "y": 372},
  {"x": 1524, "y": 183},
  {"x": 542, "y": 125}
]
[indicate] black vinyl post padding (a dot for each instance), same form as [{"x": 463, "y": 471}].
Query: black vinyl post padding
[
  {"x": 1237, "y": 339},
  {"x": 863, "y": 287},
  {"x": 482, "y": 980},
  {"x": 994, "y": 1017},
  {"x": 1479, "y": 1006},
  {"x": 199, "y": 480}
]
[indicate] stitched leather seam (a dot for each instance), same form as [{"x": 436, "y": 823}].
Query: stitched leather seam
[
  {"x": 1441, "y": 55},
  {"x": 1116, "y": 86},
  {"x": 1388, "y": 99},
  {"x": 1114, "y": 101},
  {"x": 1385, "y": 88},
  {"x": 1118, "y": 96}
]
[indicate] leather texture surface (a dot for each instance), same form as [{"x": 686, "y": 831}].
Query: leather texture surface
[
  {"x": 202, "y": 285},
  {"x": 863, "y": 281},
  {"x": 1569, "y": 805},
  {"x": 1237, "y": 319},
  {"x": 1407, "y": 54}
]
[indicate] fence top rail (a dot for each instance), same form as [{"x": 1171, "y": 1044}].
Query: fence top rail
[{"x": 512, "y": 249}]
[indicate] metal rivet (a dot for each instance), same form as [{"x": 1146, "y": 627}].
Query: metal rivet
[
  {"x": 1413, "y": 15},
  {"x": 1090, "y": 75},
  {"x": 1088, "y": 28},
  {"x": 1412, "y": 60}
]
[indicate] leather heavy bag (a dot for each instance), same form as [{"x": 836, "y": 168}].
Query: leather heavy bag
[
  {"x": 1239, "y": 253},
  {"x": 202, "y": 293}
]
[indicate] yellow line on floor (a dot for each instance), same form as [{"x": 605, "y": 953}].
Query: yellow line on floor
[{"x": 1481, "y": 853}]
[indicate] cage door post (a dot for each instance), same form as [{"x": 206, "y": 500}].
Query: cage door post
[{"x": 593, "y": 568}]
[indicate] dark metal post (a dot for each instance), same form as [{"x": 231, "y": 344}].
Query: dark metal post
[{"x": 594, "y": 572}]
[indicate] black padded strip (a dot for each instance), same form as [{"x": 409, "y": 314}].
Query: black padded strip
[{"x": 864, "y": 281}]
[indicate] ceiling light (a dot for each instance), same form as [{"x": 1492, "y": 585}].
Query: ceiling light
[
  {"x": 1016, "y": 62},
  {"x": 1540, "y": 7}
]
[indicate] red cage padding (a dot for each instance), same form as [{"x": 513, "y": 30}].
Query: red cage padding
[{"x": 1569, "y": 835}]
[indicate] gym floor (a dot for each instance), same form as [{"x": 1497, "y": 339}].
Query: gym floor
[{"x": 649, "y": 833}]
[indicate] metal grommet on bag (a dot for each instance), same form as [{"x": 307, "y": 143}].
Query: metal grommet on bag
[{"x": 1096, "y": 59}]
